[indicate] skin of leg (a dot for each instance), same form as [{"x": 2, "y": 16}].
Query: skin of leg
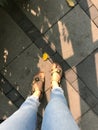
[
  {"x": 24, "y": 118},
  {"x": 57, "y": 115}
]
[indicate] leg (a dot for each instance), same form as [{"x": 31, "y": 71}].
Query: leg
[
  {"x": 25, "y": 118},
  {"x": 57, "y": 115}
]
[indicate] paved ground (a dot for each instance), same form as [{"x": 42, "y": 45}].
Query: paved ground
[{"x": 69, "y": 36}]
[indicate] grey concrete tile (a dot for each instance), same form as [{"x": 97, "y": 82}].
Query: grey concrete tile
[
  {"x": 95, "y": 109},
  {"x": 96, "y": 21},
  {"x": 41, "y": 43},
  {"x": 13, "y": 95},
  {"x": 11, "y": 37},
  {"x": 44, "y": 45},
  {"x": 92, "y": 12},
  {"x": 76, "y": 104},
  {"x": 49, "y": 50},
  {"x": 85, "y": 4},
  {"x": 4, "y": 86},
  {"x": 89, "y": 121},
  {"x": 56, "y": 58},
  {"x": 44, "y": 13},
  {"x": 21, "y": 71},
  {"x": 70, "y": 75},
  {"x": 73, "y": 39},
  {"x": 6, "y": 107},
  {"x": 31, "y": 31},
  {"x": 88, "y": 72},
  {"x": 24, "y": 23},
  {"x": 19, "y": 102},
  {"x": 85, "y": 92},
  {"x": 65, "y": 66},
  {"x": 10, "y": 92},
  {"x": 3, "y": 3}
]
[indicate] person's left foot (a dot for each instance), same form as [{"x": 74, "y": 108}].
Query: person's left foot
[
  {"x": 37, "y": 84},
  {"x": 56, "y": 74}
]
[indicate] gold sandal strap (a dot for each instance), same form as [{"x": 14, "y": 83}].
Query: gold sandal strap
[
  {"x": 59, "y": 71},
  {"x": 36, "y": 79}
]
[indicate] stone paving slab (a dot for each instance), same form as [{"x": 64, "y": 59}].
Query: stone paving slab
[
  {"x": 88, "y": 72},
  {"x": 21, "y": 71},
  {"x": 89, "y": 121},
  {"x": 86, "y": 94},
  {"x": 12, "y": 38},
  {"x": 85, "y": 4},
  {"x": 71, "y": 33},
  {"x": 10, "y": 92},
  {"x": 23, "y": 22},
  {"x": 44, "y": 13},
  {"x": 76, "y": 104},
  {"x": 92, "y": 12},
  {"x": 96, "y": 21},
  {"x": 6, "y": 107},
  {"x": 95, "y": 2},
  {"x": 91, "y": 9},
  {"x": 84, "y": 91},
  {"x": 95, "y": 109}
]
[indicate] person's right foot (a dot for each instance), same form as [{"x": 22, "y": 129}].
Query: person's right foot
[
  {"x": 37, "y": 84},
  {"x": 56, "y": 74}
]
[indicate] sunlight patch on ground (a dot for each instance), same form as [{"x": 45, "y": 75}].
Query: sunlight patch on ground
[
  {"x": 66, "y": 45},
  {"x": 74, "y": 101},
  {"x": 33, "y": 12},
  {"x": 5, "y": 55},
  {"x": 94, "y": 31}
]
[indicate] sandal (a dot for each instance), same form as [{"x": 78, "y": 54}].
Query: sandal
[
  {"x": 38, "y": 83},
  {"x": 56, "y": 73}
]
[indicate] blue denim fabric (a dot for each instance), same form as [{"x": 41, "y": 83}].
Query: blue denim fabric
[
  {"x": 24, "y": 118},
  {"x": 56, "y": 117}
]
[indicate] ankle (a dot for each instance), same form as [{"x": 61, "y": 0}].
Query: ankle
[
  {"x": 55, "y": 84},
  {"x": 37, "y": 93}
]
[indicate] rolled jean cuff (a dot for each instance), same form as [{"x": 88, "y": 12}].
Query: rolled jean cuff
[
  {"x": 32, "y": 100},
  {"x": 57, "y": 92},
  {"x": 57, "y": 88}
]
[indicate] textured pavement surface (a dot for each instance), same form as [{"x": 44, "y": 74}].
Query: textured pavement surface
[{"x": 69, "y": 36}]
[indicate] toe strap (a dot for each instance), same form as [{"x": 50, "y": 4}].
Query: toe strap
[
  {"x": 59, "y": 71},
  {"x": 36, "y": 79}
]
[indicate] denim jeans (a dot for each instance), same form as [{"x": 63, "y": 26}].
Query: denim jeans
[{"x": 56, "y": 117}]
